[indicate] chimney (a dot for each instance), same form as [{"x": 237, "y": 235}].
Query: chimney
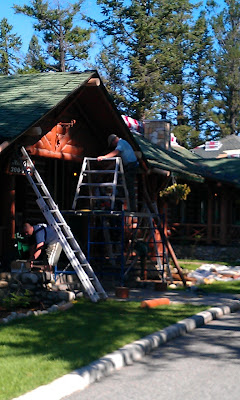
[{"x": 158, "y": 131}]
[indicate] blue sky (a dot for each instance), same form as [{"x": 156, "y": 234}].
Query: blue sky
[{"x": 22, "y": 25}]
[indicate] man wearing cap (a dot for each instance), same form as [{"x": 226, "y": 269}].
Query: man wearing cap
[
  {"x": 43, "y": 237},
  {"x": 130, "y": 163}
]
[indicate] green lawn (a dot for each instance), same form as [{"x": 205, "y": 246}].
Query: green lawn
[
  {"x": 36, "y": 350},
  {"x": 194, "y": 264},
  {"x": 232, "y": 287}
]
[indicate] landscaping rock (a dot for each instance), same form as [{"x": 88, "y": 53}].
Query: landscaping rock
[
  {"x": 53, "y": 308},
  {"x": 67, "y": 296},
  {"x": 45, "y": 293},
  {"x": 3, "y": 284},
  {"x": 29, "y": 277},
  {"x": 5, "y": 276}
]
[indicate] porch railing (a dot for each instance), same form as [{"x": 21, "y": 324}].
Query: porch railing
[{"x": 199, "y": 233}]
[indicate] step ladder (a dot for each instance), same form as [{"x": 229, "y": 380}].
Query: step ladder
[
  {"x": 50, "y": 210},
  {"x": 93, "y": 178}
]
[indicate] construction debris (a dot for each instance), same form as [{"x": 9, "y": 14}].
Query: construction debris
[{"x": 209, "y": 273}]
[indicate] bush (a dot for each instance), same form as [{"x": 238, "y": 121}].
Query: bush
[{"x": 17, "y": 300}]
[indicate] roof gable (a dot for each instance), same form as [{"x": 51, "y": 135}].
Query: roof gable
[{"x": 24, "y": 99}]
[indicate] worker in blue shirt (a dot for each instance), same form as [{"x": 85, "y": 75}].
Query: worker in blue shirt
[
  {"x": 124, "y": 150},
  {"x": 43, "y": 237}
]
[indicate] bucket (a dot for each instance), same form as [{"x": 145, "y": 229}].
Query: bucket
[{"x": 122, "y": 292}]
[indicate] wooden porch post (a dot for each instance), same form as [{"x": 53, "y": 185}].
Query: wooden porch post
[
  {"x": 223, "y": 217},
  {"x": 209, "y": 215},
  {"x": 8, "y": 207}
]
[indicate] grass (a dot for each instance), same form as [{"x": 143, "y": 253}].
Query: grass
[
  {"x": 232, "y": 287},
  {"x": 194, "y": 264},
  {"x": 36, "y": 350}
]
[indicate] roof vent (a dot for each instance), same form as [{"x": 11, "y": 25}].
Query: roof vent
[{"x": 213, "y": 145}]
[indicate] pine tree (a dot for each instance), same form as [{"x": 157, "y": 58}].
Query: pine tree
[
  {"x": 110, "y": 60},
  {"x": 200, "y": 78},
  {"x": 131, "y": 26},
  {"x": 226, "y": 107},
  {"x": 65, "y": 42},
  {"x": 154, "y": 37},
  {"x": 10, "y": 44},
  {"x": 34, "y": 61},
  {"x": 177, "y": 45}
]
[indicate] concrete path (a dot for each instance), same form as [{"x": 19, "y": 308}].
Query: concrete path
[
  {"x": 191, "y": 296},
  {"x": 223, "y": 305}
]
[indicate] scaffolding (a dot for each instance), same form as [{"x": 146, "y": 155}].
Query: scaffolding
[{"x": 125, "y": 247}]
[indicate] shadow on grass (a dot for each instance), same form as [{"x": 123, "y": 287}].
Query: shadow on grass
[{"x": 36, "y": 350}]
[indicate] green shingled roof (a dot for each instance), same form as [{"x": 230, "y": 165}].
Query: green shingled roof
[
  {"x": 24, "y": 99},
  {"x": 181, "y": 162},
  {"x": 224, "y": 169},
  {"x": 188, "y": 166}
]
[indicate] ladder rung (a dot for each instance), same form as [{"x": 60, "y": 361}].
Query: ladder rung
[
  {"x": 98, "y": 184},
  {"x": 94, "y": 197},
  {"x": 97, "y": 171}
]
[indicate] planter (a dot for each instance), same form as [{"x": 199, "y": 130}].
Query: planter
[
  {"x": 122, "y": 292},
  {"x": 173, "y": 194}
]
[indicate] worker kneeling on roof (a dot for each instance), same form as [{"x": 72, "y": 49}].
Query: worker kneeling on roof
[
  {"x": 43, "y": 238},
  {"x": 130, "y": 164}
]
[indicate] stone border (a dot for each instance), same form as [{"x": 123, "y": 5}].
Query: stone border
[
  {"x": 81, "y": 378},
  {"x": 54, "y": 308}
]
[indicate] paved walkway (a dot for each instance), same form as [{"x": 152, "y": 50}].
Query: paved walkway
[
  {"x": 220, "y": 304},
  {"x": 196, "y": 297}
]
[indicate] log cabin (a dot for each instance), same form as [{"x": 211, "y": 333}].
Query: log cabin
[{"x": 60, "y": 118}]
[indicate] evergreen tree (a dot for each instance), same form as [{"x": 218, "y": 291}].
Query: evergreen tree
[
  {"x": 200, "y": 79},
  {"x": 176, "y": 47},
  {"x": 226, "y": 107},
  {"x": 34, "y": 61},
  {"x": 111, "y": 60},
  {"x": 131, "y": 25},
  {"x": 10, "y": 44},
  {"x": 65, "y": 42},
  {"x": 154, "y": 37}
]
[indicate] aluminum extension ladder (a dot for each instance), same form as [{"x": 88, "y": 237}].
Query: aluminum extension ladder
[
  {"x": 50, "y": 210},
  {"x": 92, "y": 178}
]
